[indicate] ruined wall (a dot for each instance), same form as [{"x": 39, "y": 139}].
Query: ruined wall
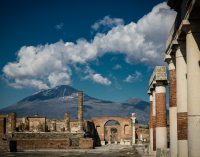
[
  {"x": 37, "y": 124},
  {"x": 124, "y": 130},
  {"x": 50, "y": 140}
]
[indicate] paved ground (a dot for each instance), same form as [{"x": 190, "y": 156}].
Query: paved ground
[{"x": 105, "y": 151}]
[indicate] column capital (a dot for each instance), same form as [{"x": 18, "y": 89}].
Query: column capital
[{"x": 170, "y": 59}]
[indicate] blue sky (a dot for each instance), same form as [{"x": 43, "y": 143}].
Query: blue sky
[{"x": 106, "y": 48}]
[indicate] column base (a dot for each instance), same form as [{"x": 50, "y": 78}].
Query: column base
[
  {"x": 161, "y": 137},
  {"x": 194, "y": 135}
]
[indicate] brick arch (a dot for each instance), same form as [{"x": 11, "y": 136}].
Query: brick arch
[{"x": 125, "y": 123}]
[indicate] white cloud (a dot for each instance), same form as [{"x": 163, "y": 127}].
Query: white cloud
[
  {"x": 49, "y": 65},
  {"x": 107, "y": 22},
  {"x": 117, "y": 67},
  {"x": 137, "y": 76},
  {"x": 95, "y": 77}
]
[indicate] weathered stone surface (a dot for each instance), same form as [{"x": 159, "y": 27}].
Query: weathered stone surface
[
  {"x": 86, "y": 143},
  {"x": 159, "y": 74},
  {"x": 41, "y": 144}
]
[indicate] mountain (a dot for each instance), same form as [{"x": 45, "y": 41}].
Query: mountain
[{"x": 53, "y": 103}]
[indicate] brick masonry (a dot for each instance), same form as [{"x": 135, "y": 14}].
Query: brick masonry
[
  {"x": 161, "y": 118},
  {"x": 182, "y": 124},
  {"x": 172, "y": 88}
]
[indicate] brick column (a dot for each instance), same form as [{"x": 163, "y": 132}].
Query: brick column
[
  {"x": 80, "y": 110},
  {"x": 161, "y": 118},
  {"x": 151, "y": 123},
  {"x": 172, "y": 108},
  {"x": 181, "y": 75},
  {"x": 154, "y": 119},
  {"x": 193, "y": 86}
]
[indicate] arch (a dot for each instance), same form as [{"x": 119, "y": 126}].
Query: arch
[{"x": 112, "y": 129}]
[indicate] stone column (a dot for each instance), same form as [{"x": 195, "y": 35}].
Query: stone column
[
  {"x": 67, "y": 122},
  {"x": 172, "y": 107},
  {"x": 154, "y": 120},
  {"x": 181, "y": 75},
  {"x": 193, "y": 86},
  {"x": 133, "y": 117},
  {"x": 161, "y": 119},
  {"x": 80, "y": 110},
  {"x": 151, "y": 124}
]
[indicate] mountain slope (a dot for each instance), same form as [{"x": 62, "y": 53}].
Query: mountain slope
[{"x": 53, "y": 103}]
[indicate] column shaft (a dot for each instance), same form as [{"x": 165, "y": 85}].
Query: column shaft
[
  {"x": 154, "y": 120},
  {"x": 193, "y": 85},
  {"x": 151, "y": 124},
  {"x": 181, "y": 75},
  {"x": 80, "y": 109},
  {"x": 172, "y": 110},
  {"x": 161, "y": 119}
]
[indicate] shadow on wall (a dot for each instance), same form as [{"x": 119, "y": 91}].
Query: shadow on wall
[{"x": 91, "y": 132}]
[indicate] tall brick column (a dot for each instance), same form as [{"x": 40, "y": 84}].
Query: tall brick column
[
  {"x": 172, "y": 107},
  {"x": 182, "y": 121},
  {"x": 193, "y": 86},
  {"x": 161, "y": 118},
  {"x": 80, "y": 110},
  {"x": 154, "y": 119},
  {"x": 158, "y": 121},
  {"x": 151, "y": 123}
]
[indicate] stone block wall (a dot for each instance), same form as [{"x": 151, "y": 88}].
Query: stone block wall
[{"x": 31, "y": 144}]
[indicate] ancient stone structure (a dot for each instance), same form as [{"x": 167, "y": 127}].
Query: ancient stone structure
[
  {"x": 115, "y": 129},
  {"x": 37, "y": 132},
  {"x": 67, "y": 122},
  {"x": 183, "y": 57},
  {"x": 158, "y": 119},
  {"x": 7, "y": 124},
  {"x": 133, "y": 118}
]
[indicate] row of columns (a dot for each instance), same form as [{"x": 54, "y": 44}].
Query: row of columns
[
  {"x": 158, "y": 115},
  {"x": 184, "y": 68}
]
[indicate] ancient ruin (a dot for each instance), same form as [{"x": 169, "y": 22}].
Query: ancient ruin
[{"x": 37, "y": 132}]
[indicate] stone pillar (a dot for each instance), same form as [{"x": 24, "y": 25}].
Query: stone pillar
[
  {"x": 193, "y": 86},
  {"x": 151, "y": 124},
  {"x": 181, "y": 75},
  {"x": 53, "y": 125},
  {"x": 80, "y": 110},
  {"x": 172, "y": 107},
  {"x": 161, "y": 119},
  {"x": 67, "y": 122},
  {"x": 133, "y": 117},
  {"x": 154, "y": 119}
]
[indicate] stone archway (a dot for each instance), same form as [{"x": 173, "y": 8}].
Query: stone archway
[{"x": 112, "y": 131}]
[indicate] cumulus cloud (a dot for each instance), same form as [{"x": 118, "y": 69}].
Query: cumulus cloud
[
  {"x": 107, "y": 23},
  {"x": 137, "y": 76},
  {"x": 96, "y": 77},
  {"x": 49, "y": 65}
]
